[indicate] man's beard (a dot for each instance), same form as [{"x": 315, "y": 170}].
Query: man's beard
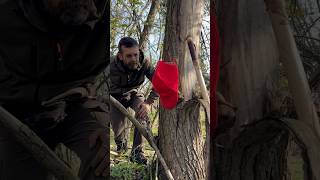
[
  {"x": 74, "y": 16},
  {"x": 74, "y": 12},
  {"x": 133, "y": 66}
]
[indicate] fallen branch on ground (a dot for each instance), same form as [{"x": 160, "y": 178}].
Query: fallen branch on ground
[
  {"x": 147, "y": 134},
  {"x": 38, "y": 149}
]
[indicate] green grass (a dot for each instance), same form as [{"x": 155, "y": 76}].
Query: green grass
[
  {"x": 122, "y": 168},
  {"x": 127, "y": 170}
]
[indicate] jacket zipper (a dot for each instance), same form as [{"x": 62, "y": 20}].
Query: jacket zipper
[
  {"x": 60, "y": 56},
  {"x": 37, "y": 76}
]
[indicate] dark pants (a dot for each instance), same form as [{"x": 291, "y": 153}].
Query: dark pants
[
  {"x": 16, "y": 163},
  {"x": 121, "y": 125}
]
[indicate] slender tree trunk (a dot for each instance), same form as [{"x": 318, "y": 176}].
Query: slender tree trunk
[
  {"x": 181, "y": 141},
  {"x": 148, "y": 24}
]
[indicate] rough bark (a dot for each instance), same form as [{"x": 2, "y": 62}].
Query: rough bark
[
  {"x": 181, "y": 141},
  {"x": 259, "y": 152},
  {"x": 183, "y": 20}
]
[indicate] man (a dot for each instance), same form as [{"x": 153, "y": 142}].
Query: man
[
  {"x": 127, "y": 73},
  {"x": 50, "y": 54}
]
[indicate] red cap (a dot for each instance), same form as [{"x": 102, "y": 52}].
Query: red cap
[{"x": 165, "y": 82}]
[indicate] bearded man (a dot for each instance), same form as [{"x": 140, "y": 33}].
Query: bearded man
[
  {"x": 128, "y": 70},
  {"x": 50, "y": 54}
]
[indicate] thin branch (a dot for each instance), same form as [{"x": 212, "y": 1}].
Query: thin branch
[{"x": 146, "y": 133}]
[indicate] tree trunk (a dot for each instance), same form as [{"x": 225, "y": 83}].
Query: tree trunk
[
  {"x": 249, "y": 72},
  {"x": 183, "y": 20},
  {"x": 148, "y": 24},
  {"x": 249, "y": 57},
  {"x": 259, "y": 152},
  {"x": 181, "y": 141}
]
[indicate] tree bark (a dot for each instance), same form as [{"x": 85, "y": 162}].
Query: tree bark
[
  {"x": 249, "y": 71},
  {"x": 249, "y": 57},
  {"x": 181, "y": 141},
  {"x": 183, "y": 20},
  {"x": 249, "y": 54},
  {"x": 259, "y": 152}
]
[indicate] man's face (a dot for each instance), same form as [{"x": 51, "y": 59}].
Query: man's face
[
  {"x": 71, "y": 12},
  {"x": 130, "y": 57}
]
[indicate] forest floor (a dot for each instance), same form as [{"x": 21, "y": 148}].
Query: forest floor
[{"x": 122, "y": 168}]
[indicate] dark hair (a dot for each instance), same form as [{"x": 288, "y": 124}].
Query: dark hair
[{"x": 127, "y": 42}]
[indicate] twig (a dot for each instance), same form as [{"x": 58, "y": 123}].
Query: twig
[{"x": 195, "y": 62}]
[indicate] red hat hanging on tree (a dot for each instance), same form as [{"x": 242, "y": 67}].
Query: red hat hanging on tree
[{"x": 165, "y": 81}]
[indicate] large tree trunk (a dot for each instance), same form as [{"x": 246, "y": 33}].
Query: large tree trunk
[
  {"x": 181, "y": 141},
  {"x": 249, "y": 58},
  {"x": 249, "y": 74},
  {"x": 184, "y": 19}
]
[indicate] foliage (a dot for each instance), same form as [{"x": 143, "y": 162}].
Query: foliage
[
  {"x": 304, "y": 16},
  {"x": 128, "y": 18},
  {"x": 128, "y": 171}
]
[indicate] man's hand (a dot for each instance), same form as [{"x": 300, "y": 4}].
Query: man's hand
[
  {"x": 100, "y": 162},
  {"x": 144, "y": 109}
]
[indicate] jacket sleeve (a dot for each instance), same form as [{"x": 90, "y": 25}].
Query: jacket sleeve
[{"x": 149, "y": 71}]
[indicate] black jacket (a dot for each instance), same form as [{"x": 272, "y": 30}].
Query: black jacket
[{"x": 39, "y": 60}]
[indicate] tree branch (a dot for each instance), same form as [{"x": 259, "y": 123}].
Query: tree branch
[{"x": 38, "y": 149}]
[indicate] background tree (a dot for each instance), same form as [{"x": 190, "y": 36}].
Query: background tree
[
  {"x": 145, "y": 20},
  {"x": 252, "y": 78}
]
